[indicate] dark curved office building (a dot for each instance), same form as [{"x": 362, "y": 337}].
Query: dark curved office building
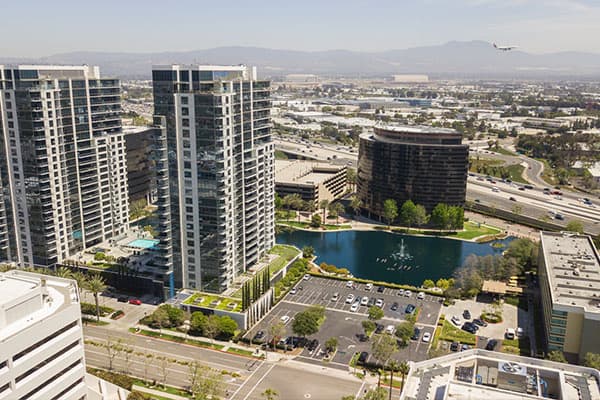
[{"x": 424, "y": 164}]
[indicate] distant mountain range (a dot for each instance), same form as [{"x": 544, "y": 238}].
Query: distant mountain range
[{"x": 474, "y": 59}]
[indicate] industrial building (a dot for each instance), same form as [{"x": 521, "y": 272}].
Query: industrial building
[
  {"x": 41, "y": 340},
  {"x": 482, "y": 374},
  {"x": 423, "y": 164},
  {"x": 63, "y": 173},
  {"x": 215, "y": 168},
  {"x": 569, "y": 275},
  {"x": 312, "y": 181}
]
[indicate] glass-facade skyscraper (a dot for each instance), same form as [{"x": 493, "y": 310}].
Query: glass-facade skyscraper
[
  {"x": 215, "y": 172},
  {"x": 63, "y": 173}
]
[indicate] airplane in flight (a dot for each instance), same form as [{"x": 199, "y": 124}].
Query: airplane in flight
[{"x": 504, "y": 48}]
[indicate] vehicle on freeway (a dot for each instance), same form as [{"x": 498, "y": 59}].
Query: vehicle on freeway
[
  {"x": 306, "y": 277},
  {"x": 455, "y": 320},
  {"x": 350, "y": 298},
  {"x": 559, "y": 216},
  {"x": 335, "y": 296},
  {"x": 390, "y": 329},
  {"x": 528, "y": 186},
  {"x": 421, "y": 295},
  {"x": 491, "y": 344},
  {"x": 521, "y": 187},
  {"x": 285, "y": 319},
  {"x": 454, "y": 346},
  {"x": 379, "y": 303},
  {"x": 409, "y": 309},
  {"x": 380, "y": 289},
  {"x": 136, "y": 302},
  {"x": 407, "y": 293},
  {"x": 364, "y": 301},
  {"x": 416, "y": 334},
  {"x": 368, "y": 286},
  {"x": 394, "y": 306},
  {"x": 350, "y": 284},
  {"x": 495, "y": 189},
  {"x": 293, "y": 291},
  {"x": 466, "y": 314},
  {"x": 512, "y": 198},
  {"x": 426, "y": 337},
  {"x": 354, "y": 306},
  {"x": 477, "y": 201},
  {"x": 479, "y": 322}
]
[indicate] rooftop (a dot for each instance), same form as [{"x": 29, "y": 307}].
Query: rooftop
[
  {"x": 28, "y": 298},
  {"x": 304, "y": 172},
  {"x": 573, "y": 270},
  {"x": 417, "y": 129},
  {"x": 480, "y": 374}
]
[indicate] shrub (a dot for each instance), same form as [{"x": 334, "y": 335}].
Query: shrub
[
  {"x": 90, "y": 309},
  {"x": 99, "y": 256},
  {"x": 121, "y": 380},
  {"x": 491, "y": 318},
  {"x": 117, "y": 314}
]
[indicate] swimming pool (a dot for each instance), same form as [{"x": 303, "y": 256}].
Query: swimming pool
[{"x": 143, "y": 243}]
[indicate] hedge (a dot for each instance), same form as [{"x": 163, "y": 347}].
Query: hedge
[{"x": 89, "y": 308}]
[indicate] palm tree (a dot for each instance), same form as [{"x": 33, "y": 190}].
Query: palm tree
[
  {"x": 393, "y": 366},
  {"x": 403, "y": 368},
  {"x": 80, "y": 279},
  {"x": 355, "y": 204},
  {"x": 270, "y": 394},
  {"x": 63, "y": 272},
  {"x": 323, "y": 204},
  {"x": 96, "y": 284}
]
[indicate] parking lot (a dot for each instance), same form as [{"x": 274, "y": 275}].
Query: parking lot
[{"x": 345, "y": 324}]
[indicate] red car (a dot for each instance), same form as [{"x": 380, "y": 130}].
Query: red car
[{"x": 137, "y": 302}]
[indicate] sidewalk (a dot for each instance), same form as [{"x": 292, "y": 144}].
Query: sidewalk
[{"x": 157, "y": 393}]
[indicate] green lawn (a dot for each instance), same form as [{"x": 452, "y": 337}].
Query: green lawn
[
  {"x": 502, "y": 150},
  {"x": 470, "y": 231},
  {"x": 516, "y": 171},
  {"x": 306, "y": 225},
  {"x": 548, "y": 173},
  {"x": 520, "y": 346},
  {"x": 208, "y": 300},
  {"x": 454, "y": 334},
  {"x": 177, "y": 339}
]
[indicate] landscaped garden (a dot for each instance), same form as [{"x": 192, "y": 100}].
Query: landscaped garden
[{"x": 213, "y": 301}]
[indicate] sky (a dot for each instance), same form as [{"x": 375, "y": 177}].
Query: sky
[{"x": 46, "y": 27}]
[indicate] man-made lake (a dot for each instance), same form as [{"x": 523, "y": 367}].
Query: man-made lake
[{"x": 390, "y": 257}]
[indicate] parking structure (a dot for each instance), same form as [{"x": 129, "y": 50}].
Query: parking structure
[{"x": 346, "y": 325}]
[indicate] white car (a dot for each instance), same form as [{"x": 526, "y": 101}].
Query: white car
[
  {"x": 285, "y": 319},
  {"x": 421, "y": 295},
  {"x": 401, "y": 292},
  {"x": 350, "y": 284},
  {"x": 368, "y": 286},
  {"x": 350, "y": 298},
  {"x": 354, "y": 306},
  {"x": 293, "y": 291},
  {"x": 426, "y": 337},
  {"x": 455, "y": 320},
  {"x": 407, "y": 293},
  {"x": 520, "y": 332},
  {"x": 364, "y": 301},
  {"x": 379, "y": 303},
  {"x": 306, "y": 277},
  {"x": 335, "y": 296},
  {"x": 390, "y": 329}
]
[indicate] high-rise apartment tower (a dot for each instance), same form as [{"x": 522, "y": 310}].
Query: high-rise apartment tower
[
  {"x": 217, "y": 206},
  {"x": 63, "y": 177}
]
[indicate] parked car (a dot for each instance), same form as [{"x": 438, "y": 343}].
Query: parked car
[
  {"x": 421, "y": 295},
  {"x": 466, "y": 314},
  {"x": 401, "y": 292},
  {"x": 378, "y": 328},
  {"x": 380, "y": 289},
  {"x": 390, "y": 329},
  {"x": 468, "y": 327},
  {"x": 306, "y": 277},
  {"x": 394, "y": 306},
  {"x": 362, "y": 337},
  {"x": 520, "y": 332},
  {"x": 426, "y": 337},
  {"x": 293, "y": 291},
  {"x": 354, "y": 306},
  {"x": 259, "y": 336},
  {"x": 454, "y": 346},
  {"x": 335, "y": 296},
  {"x": 350, "y": 298},
  {"x": 371, "y": 302},
  {"x": 464, "y": 347},
  {"x": 455, "y": 320},
  {"x": 416, "y": 333},
  {"x": 479, "y": 322},
  {"x": 510, "y": 333},
  {"x": 362, "y": 358},
  {"x": 137, "y": 302},
  {"x": 364, "y": 301},
  {"x": 409, "y": 309},
  {"x": 122, "y": 299},
  {"x": 350, "y": 284},
  {"x": 368, "y": 286},
  {"x": 407, "y": 293},
  {"x": 491, "y": 344},
  {"x": 379, "y": 303},
  {"x": 285, "y": 319},
  {"x": 312, "y": 345}
]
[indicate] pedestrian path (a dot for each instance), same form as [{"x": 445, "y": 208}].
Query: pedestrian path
[{"x": 157, "y": 393}]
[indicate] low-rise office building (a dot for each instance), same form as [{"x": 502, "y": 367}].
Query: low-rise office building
[
  {"x": 569, "y": 274},
  {"x": 313, "y": 181},
  {"x": 482, "y": 374}
]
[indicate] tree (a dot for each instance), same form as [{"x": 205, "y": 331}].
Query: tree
[
  {"x": 356, "y": 204},
  {"x": 160, "y": 318},
  {"x": 557, "y": 356},
  {"x": 63, "y": 272},
  {"x": 323, "y": 204},
  {"x": 407, "y": 213},
  {"x": 442, "y": 283},
  {"x": 113, "y": 348},
  {"x": 227, "y": 327},
  {"x": 351, "y": 177},
  {"x": 375, "y": 313},
  {"x": 270, "y": 394},
  {"x": 428, "y": 284},
  {"x": 375, "y": 394},
  {"x": 390, "y": 211},
  {"x": 331, "y": 344},
  {"x": 163, "y": 364},
  {"x": 96, "y": 285},
  {"x": 420, "y": 217},
  {"x": 212, "y": 326},
  {"x": 194, "y": 370},
  {"x": 384, "y": 348},
  {"x": 368, "y": 326},
  {"x": 197, "y": 323},
  {"x": 592, "y": 360},
  {"x": 404, "y": 369},
  {"x": 315, "y": 221},
  {"x": 393, "y": 367},
  {"x": 404, "y": 331},
  {"x": 305, "y": 324},
  {"x": 338, "y": 208},
  {"x": 276, "y": 331},
  {"x": 308, "y": 252},
  {"x": 575, "y": 226},
  {"x": 440, "y": 216}
]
